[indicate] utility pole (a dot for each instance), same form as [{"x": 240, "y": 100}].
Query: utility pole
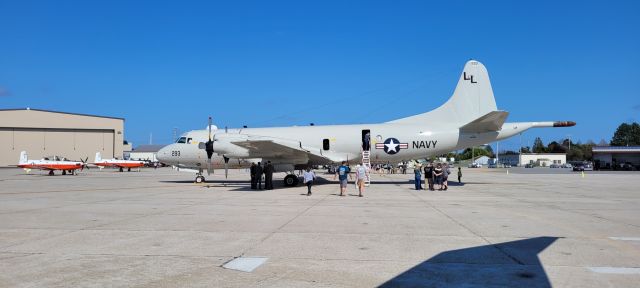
[
  {"x": 520, "y": 152},
  {"x": 497, "y": 153},
  {"x": 473, "y": 154}
]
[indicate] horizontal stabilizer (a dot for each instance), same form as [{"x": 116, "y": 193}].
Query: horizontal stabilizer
[{"x": 491, "y": 121}]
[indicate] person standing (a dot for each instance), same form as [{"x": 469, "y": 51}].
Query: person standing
[
  {"x": 437, "y": 173},
  {"x": 428, "y": 176},
  {"x": 259, "y": 172},
  {"x": 252, "y": 171},
  {"x": 459, "y": 174},
  {"x": 362, "y": 173},
  {"x": 309, "y": 176},
  {"x": 343, "y": 172},
  {"x": 417, "y": 173},
  {"x": 367, "y": 142},
  {"x": 268, "y": 176},
  {"x": 445, "y": 176}
]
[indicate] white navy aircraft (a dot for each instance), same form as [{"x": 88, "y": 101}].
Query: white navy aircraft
[{"x": 469, "y": 118}]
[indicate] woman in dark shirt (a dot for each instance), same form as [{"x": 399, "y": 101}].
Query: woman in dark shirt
[{"x": 438, "y": 175}]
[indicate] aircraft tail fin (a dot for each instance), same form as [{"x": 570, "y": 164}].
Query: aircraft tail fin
[
  {"x": 472, "y": 98},
  {"x": 98, "y": 157},
  {"x": 23, "y": 157},
  {"x": 491, "y": 121}
]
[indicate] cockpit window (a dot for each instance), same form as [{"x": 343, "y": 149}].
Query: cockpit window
[
  {"x": 188, "y": 140},
  {"x": 182, "y": 140}
]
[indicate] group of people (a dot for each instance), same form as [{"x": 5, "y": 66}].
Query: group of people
[
  {"x": 390, "y": 169},
  {"x": 434, "y": 175},
  {"x": 437, "y": 174},
  {"x": 343, "y": 175},
  {"x": 257, "y": 171}
]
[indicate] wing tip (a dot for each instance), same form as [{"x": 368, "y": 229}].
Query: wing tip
[{"x": 564, "y": 124}]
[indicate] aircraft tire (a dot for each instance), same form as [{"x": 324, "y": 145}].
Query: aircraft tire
[
  {"x": 199, "y": 179},
  {"x": 290, "y": 180},
  {"x": 121, "y": 169},
  {"x": 64, "y": 172}
]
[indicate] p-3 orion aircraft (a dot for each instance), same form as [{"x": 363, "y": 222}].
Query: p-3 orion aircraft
[{"x": 469, "y": 118}]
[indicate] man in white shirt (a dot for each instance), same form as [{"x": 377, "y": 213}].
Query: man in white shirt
[
  {"x": 309, "y": 176},
  {"x": 362, "y": 173}
]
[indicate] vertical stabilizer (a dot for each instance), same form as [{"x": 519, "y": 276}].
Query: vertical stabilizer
[
  {"x": 472, "y": 98},
  {"x": 23, "y": 157}
]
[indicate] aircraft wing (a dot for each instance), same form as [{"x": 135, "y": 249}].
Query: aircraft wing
[
  {"x": 489, "y": 122},
  {"x": 283, "y": 149}
]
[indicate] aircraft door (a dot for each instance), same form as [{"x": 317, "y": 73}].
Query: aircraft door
[{"x": 366, "y": 140}]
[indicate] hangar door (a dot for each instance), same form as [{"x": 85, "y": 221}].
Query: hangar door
[{"x": 74, "y": 144}]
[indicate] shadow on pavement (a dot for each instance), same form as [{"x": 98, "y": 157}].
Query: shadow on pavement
[{"x": 508, "y": 264}]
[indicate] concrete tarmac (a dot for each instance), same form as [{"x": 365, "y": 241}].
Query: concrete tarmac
[{"x": 156, "y": 228}]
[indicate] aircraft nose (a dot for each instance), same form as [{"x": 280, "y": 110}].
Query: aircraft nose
[{"x": 163, "y": 154}]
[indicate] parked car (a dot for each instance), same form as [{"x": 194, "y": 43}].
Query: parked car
[
  {"x": 475, "y": 165},
  {"x": 492, "y": 166},
  {"x": 625, "y": 167},
  {"x": 529, "y": 165},
  {"x": 554, "y": 165},
  {"x": 567, "y": 165},
  {"x": 506, "y": 165}
]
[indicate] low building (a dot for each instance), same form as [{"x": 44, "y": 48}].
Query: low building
[
  {"x": 45, "y": 133},
  {"x": 537, "y": 159},
  {"x": 482, "y": 160},
  {"x": 608, "y": 157},
  {"x": 145, "y": 153}
]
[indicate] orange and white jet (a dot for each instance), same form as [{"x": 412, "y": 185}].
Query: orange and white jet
[
  {"x": 56, "y": 163},
  {"x": 101, "y": 163}
]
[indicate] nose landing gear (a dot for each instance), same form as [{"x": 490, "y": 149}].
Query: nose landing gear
[{"x": 199, "y": 177}]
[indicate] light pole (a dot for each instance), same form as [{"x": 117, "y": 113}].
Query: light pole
[
  {"x": 569, "y": 138},
  {"x": 497, "y": 153},
  {"x": 520, "y": 152}
]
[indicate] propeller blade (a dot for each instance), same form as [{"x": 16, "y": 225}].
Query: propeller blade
[
  {"x": 226, "y": 167},
  {"x": 209, "y": 149}
]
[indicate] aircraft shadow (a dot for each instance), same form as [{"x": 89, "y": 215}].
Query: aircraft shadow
[
  {"x": 508, "y": 264},
  {"x": 279, "y": 184}
]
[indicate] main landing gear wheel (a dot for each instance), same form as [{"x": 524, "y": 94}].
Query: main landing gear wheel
[
  {"x": 291, "y": 180},
  {"x": 50, "y": 172},
  {"x": 199, "y": 179},
  {"x": 128, "y": 169},
  {"x": 121, "y": 169},
  {"x": 64, "y": 172}
]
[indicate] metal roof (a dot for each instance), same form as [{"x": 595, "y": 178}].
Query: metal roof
[
  {"x": 52, "y": 111},
  {"x": 616, "y": 149},
  {"x": 148, "y": 148}
]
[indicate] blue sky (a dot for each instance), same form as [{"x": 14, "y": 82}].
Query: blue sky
[{"x": 170, "y": 64}]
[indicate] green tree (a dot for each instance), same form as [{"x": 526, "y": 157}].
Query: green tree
[
  {"x": 538, "y": 146},
  {"x": 555, "y": 147},
  {"x": 626, "y": 135}
]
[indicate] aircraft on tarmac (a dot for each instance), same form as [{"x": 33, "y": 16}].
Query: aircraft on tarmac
[
  {"x": 469, "y": 118},
  {"x": 50, "y": 163},
  {"x": 121, "y": 164}
]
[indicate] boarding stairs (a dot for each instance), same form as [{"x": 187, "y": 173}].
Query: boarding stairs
[{"x": 366, "y": 162}]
